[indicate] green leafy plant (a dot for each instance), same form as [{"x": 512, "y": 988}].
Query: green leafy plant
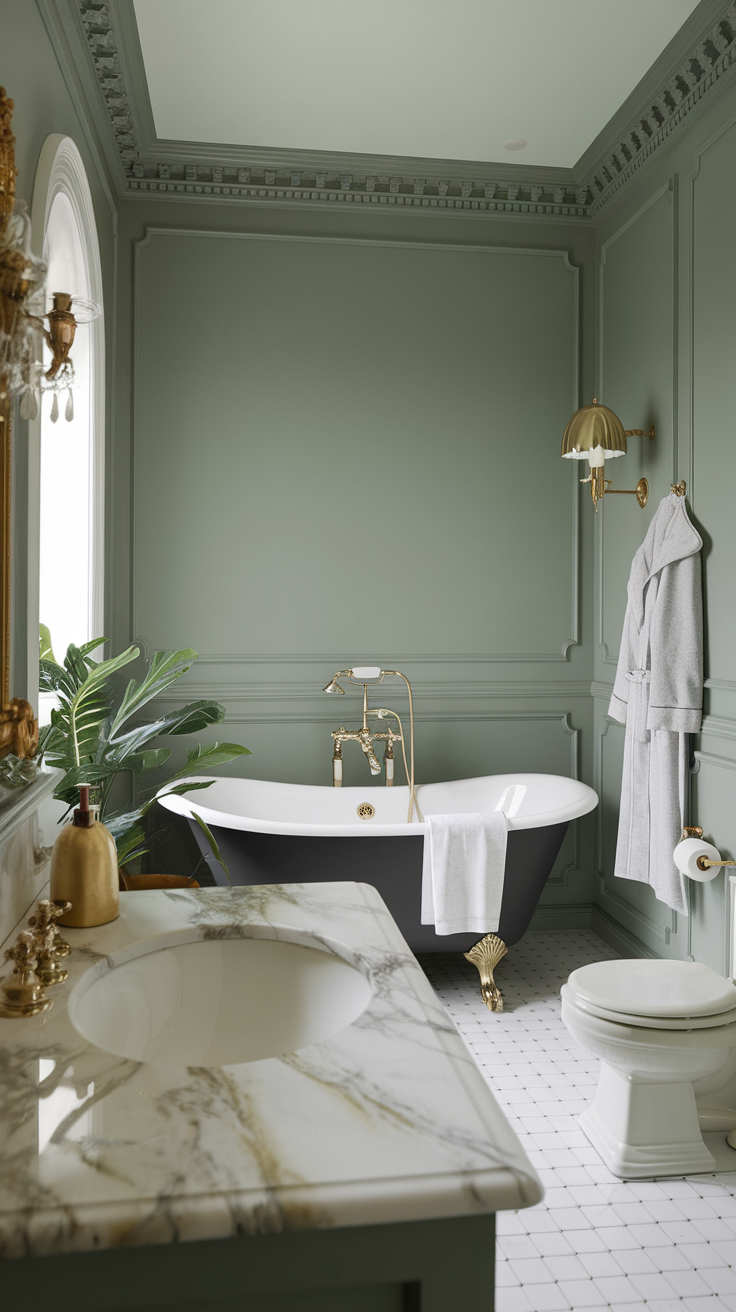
[{"x": 96, "y": 734}]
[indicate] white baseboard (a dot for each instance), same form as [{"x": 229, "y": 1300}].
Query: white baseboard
[{"x": 618, "y": 938}]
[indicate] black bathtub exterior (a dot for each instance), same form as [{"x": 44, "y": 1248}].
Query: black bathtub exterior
[{"x": 393, "y": 865}]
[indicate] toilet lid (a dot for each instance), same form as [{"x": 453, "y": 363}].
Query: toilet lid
[{"x": 676, "y": 990}]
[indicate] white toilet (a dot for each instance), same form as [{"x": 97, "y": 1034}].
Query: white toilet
[{"x": 657, "y": 1026}]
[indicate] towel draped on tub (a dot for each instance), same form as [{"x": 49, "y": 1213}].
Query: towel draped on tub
[{"x": 463, "y": 870}]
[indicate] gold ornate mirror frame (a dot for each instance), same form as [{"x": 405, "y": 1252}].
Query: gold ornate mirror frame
[
  {"x": 7, "y": 202},
  {"x": 5, "y": 450}
]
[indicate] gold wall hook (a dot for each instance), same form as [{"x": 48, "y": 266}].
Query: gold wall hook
[{"x": 679, "y": 489}]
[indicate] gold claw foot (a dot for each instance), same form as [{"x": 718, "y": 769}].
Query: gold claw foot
[{"x": 486, "y": 956}]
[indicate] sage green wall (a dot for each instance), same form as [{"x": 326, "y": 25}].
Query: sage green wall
[
  {"x": 345, "y": 448},
  {"x": 667, "y": 343},
  {"x": 45, "y": 103},
  {"x": 346, "y": 442}
]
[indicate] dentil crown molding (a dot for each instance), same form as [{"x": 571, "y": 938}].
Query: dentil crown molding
[{"x": 257, "y": 176}]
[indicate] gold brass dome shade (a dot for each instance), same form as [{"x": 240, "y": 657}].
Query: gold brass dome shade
[
  {"x": 593, "y": 426},
  {"x": 596, "y": 434}
]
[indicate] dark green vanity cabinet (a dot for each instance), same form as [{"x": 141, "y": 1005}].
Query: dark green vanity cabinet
[{"x": 412, "y": 1266}]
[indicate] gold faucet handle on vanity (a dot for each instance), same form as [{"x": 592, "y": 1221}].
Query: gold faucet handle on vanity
[
  {"x": 44, "y": 919},
  {"x": 50, "y": 947},
  {"x": 22, "y": 995}
]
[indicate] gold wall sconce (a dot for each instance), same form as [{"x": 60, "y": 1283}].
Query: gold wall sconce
[
  {"x": 596, "y": 434},
  {"x": 66, "y": 314}
]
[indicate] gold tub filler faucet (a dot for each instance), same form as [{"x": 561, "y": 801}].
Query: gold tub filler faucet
[
  {"x": 488, "y": 952},
  {"x": 362, "y": 675}
]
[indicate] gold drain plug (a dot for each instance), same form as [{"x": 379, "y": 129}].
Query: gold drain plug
[{"x": 365, "y": 811}]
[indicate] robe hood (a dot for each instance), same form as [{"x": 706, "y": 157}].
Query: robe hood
[{"x": 670, "y": 537}]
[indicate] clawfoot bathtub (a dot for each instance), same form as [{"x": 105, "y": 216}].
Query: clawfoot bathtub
[{"x": 271, "y": 833}]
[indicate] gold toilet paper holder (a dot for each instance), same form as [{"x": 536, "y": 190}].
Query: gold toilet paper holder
[{"x": 703, "y": 862}]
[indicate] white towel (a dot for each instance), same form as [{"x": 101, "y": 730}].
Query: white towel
[{"x": 462, "y": 874}]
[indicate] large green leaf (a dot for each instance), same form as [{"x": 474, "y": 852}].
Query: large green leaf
[
  {"x": 188, "y": 719},
  {"x": 45, "y": 649},
  {"x": 81, "y": 715},
  {"x": 49, "y": 736},
  {"x": 122, "y": 821},
  {"x": 67, "y": 790},
  {"x": 75, "y": 665},
  {"x": 131, "y": 843},
  {"x": 213, "y": 844},
  {"x": 179, "y": 790},
  {"x": 165, "y": 667},
  {"x": 88, "y": 647},
  {"x": 207, "y": 757},
  {"x": 54, "y": 678},
  {"x": 193, "y": 717},
  {"x": 141, "y": 762}
]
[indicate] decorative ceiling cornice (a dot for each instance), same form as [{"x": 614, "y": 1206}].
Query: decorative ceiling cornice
[
  {"x": 188, "y": 171},
  {"x": 704, "y": 69}
]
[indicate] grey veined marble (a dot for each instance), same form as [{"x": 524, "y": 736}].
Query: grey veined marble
[{"x": 387, "y": 1119}]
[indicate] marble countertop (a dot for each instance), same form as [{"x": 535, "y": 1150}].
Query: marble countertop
[{"x": 387, "y": 1120}]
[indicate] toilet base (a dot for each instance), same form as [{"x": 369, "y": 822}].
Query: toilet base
[{"x": 645, "y": 1128}]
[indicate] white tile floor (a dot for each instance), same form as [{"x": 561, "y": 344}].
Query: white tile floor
[{"x": 667, "y": 1245}]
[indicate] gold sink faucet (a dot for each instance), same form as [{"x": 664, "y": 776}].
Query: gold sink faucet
[{"x": 365, "y": 738}]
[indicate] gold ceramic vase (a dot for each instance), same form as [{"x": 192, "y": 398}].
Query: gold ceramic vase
[{"x": 84, "y": 870}]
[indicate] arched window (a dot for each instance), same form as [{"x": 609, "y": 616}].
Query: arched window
[{"x": 71, "y": 530}]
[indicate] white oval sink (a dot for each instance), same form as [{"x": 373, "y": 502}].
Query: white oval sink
[{"x": 218, "y": 1002}]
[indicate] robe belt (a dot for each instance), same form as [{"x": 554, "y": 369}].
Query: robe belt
[{"x": 639, "y": 707}]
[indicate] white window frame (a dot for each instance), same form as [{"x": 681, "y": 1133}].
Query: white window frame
[{"x": 61, "y": 170}]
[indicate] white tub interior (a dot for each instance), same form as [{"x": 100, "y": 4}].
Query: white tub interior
[{"x": 528, "y": 800}]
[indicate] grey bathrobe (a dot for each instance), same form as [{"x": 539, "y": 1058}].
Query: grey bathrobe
[{"x": 658, "y": 695}]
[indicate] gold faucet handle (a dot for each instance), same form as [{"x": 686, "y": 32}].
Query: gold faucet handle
[
  {"x": 22, "y": 993},
  {"x": 46, "y": 931},
  {"x": 23, "y": 953}
]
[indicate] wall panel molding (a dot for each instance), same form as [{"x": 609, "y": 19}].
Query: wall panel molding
[
  {"x": 688, "y": 325},
  {"x": 725, "y": 685},
  {"x": 720, "y": 762},
  {"x": 668, "y": 188},
  {"x": 701, "y": 384},
  {"x": 223, "y": 659},
  {"x": 260, "y": 690},
  {"x": 559, "y": 656},
  {"x": 718, "y": 726}
]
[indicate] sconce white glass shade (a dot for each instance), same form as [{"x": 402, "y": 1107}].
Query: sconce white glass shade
[{"x": 594, "y": 434}]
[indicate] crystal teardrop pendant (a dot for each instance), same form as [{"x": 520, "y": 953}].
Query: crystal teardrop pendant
[
  {"x": 25, "y": 406},
  {"x": 69, "y": 412},
  {"x": 55, "y": 408},
  {"x": 33, "y": 405}
]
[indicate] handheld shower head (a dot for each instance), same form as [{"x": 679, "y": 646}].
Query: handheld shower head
[{"x": 333, "y": 685}]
